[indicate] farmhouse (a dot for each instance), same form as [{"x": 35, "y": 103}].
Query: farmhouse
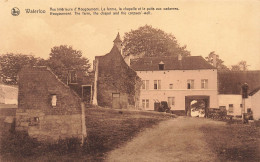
[
  {"x": 116, "y": 84},
  {"x": 47, "y": 108},
  {"x": 230, "y": 98},
  {"x": 177, "y": 80}
]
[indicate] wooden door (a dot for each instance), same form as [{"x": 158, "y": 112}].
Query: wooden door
[{"x": 116, "y": 100}]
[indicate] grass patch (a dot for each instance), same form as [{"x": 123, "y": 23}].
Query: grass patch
[
  {"x": 233, "y": 142},
  {"x": 107, "y": 129}
]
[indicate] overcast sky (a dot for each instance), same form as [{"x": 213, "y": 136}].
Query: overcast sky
[{"x": 230, "y": 28}]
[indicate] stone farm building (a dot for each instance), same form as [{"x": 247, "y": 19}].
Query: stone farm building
[
  {"x": 177, "y": 80},
  {"x": 116, "y": 84},
  {"x": 48, "y": 109}
]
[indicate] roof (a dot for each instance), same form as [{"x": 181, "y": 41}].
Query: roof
[
  {"x": 118, "y": 39},
  {"x": 254, "y": 91},
  {"x": 114, "y": 51},
  {"x": 170, "y": 63},
  {"x": 230, "y": 82}
]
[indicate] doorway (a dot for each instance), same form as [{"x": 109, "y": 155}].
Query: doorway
[
  {"x": 116, "y": 100},
  {"x": 197, "y": 106},
  {"x": 87, "y": 93}
]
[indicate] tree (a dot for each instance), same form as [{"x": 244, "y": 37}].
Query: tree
[
  {"x": 219, "y": 63},
  {"x": 11, "y": 64},
  {"x": 241, "y": 66},
  {"x": 147, "y": 41},
  {"x": 64, "y": 58}
]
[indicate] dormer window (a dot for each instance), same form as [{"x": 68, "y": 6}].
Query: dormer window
[{"x": 161, "y": 66}]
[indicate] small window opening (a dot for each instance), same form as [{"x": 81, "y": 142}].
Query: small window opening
[
  {"x": 230, "y": 108},
  {"x": 188, "y": 85},
  {"x": 249, "y": 110},
  {"x": 34, "y": 121},
  {"x": 161, "y": 66},
  {"x": 53, "y": 100}
]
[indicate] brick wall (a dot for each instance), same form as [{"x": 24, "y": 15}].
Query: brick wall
[{"x": 35, "y": 113}]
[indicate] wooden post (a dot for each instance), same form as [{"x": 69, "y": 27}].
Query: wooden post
[
  {"x": 95, "y": 83},
  {"x": 83, "y": 123}
]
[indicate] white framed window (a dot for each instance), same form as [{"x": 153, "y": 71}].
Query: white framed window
[
  {"x": 230, "y": 108},
  {"x": 171, "y": 101},
  {"x": 190, "y": 84},
  {"x": 157, "y": 84},
  {"x": 204, "y": 83},
  {"x": 53, "y": 100},
  {"x": 145, "y": 84},
  {"x": 170, "y": 86},
  {"x": 145, "y": 103}
]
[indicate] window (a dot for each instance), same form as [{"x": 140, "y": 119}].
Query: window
[
  {"x": 145, "y": 103},
  {"x": 34, "y": 121},
  {"x": 190, "y": 84},
  {"x": 157, "y": 84},
  {"x": 249, "y": 110},
  {"x": 230, "y": 108},
  {"x": 72, "y": 77},
  {"x": 241, "y": 105},
  {"x": 145, "y": 84},
  {"x": 53, "y": 100},
  {"x": 204, "y": 84},
  {"x": 161, "y": 66},
  {"x": 170, "y": 86},
  {"x": 171, "y": 102},
  {"x": 222, "y": 108}
]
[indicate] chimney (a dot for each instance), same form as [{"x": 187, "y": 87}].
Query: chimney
[
  {"x": 214, "y": 60},
  {"x": 179, "y": 57}
]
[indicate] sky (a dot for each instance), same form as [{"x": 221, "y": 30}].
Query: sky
[{"x": 230, "y": 28}]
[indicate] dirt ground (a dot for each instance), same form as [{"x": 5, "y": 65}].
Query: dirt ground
[{"x": 173, "y": 140}]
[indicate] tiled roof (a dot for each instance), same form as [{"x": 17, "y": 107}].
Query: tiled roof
[
  {"x": 230, "y": 82},
  {"x": 170, "y": 63}
]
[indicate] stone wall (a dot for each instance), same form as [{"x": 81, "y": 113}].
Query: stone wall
[
  {"x": 36, "y": 113},
  {"x": 115, "y": 76},
  {"x": 36, "y": 87},
  {"x": 48, "y": 127}
]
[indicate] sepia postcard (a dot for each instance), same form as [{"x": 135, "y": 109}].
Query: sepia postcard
[{"x": 130, "y": 80}]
